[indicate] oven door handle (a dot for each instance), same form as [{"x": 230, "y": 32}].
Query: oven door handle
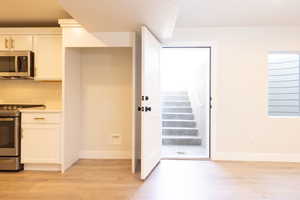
[{"x": 6, "y": 119}]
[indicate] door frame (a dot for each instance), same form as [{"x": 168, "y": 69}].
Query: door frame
[{"x": 212, "y": 46}]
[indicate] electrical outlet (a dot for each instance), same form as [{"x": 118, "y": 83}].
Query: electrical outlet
[{"x": 116, "y": 139}]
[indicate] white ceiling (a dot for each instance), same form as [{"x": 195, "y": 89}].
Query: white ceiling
[
  {"x": 31, "y": 13},
  {"x": 163, "y": 15},
  {"x": 124, "y": 15},
  {"x": 160, "y": 15},
  {"x": 199, "y": 13}
]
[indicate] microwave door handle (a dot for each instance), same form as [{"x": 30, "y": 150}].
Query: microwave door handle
[{"x": 16, "y": 64}]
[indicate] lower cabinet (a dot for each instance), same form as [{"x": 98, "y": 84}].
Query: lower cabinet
[{"x": 40, "y": 141}]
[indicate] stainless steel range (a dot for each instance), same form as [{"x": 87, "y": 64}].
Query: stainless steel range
[{"x": 10, "y": 136}]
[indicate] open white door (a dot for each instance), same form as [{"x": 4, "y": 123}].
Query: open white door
[{"x": 150, "y": 105}]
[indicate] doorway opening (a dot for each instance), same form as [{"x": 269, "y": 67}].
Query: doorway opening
[{"x": 185, "y": 102}]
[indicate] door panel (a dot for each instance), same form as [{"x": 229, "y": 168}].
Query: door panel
[
  {"x": 48, "y": 65},
  {"x": 4, "y": 43},
  {"x": 48, "y": 152},
  {"x": 21, "y": 43},
  {"x": 150, "y": 87}
]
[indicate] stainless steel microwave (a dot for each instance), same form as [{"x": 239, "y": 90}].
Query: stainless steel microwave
[{"x": 17, "y": 64}]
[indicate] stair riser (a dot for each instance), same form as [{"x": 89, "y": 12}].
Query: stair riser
[
  {"x": 175, "y": 98},
  {"x": 174, "y": 103},
  {"x": 179, "y": 141},
  {"x": 186, "y": 124},
  {"x": 178, "y": 116},
  {"x": 177, "y": 110},
  {"x": 180, "y": 132}
]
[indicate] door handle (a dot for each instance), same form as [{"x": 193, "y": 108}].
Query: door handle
[
  {"x": 12, "y": 43},
  {"x": 144, "y": 109},
  {"x": 39, "y": 118},
  {"x": 6, "y": 43},
  {"x": 145, "y": 98}
]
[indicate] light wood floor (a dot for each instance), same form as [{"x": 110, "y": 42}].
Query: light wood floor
[{"x": 172, "y": 180}]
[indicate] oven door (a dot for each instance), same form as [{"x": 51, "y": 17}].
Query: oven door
[{"x": 9, "y": 136}]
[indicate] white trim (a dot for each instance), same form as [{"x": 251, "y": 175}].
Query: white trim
[
  {"x": 46, "y": 79},
  {"x": 31, "y": 31},
  {"x": 105, "y": 154},
  {"x": 42, "y": 167},
  {"x": 134, "y": 103},
  {"x": 68, "y": 23},
  {"x": 256, "y": 157},
  {"x": 68, "y": 164},
  {"x": 44, "y": 161},
  {"x": 189, "y": 44},
  {"x": 62, "y": 127},
  {"x": 214, "y": 68}
]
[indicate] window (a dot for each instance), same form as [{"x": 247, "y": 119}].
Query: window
[{"x": 283, "y": 94}]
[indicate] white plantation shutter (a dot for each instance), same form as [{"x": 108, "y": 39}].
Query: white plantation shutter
[{"x": 283, "y": 93}]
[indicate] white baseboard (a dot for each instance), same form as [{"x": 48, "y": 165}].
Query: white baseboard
[
  {"x": 256, "y": 157},
  {"x": 105, "y": 154},
  {"x": 69, "y": 164},
  {"x": 42, "y": 167}
]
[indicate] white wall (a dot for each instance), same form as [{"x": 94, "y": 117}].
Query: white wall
[
  {"x": 106, "y": 102},
  {"x": 242, "y": 129},
  {"x": 199, "y": 94}
]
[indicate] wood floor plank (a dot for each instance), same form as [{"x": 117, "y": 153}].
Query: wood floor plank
[{"x": 172, "y": 180}]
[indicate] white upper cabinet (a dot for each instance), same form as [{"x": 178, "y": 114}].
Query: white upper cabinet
[
  {"x": 48, "y": 57},
  {"x": 16, "y": 42},
  {"x": 46, "y": 43},
  {"x": 20, "y": 42}
]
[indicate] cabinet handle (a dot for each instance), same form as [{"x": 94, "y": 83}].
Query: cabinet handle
[
  {"x": 39, "y": 118},
  {"x": 6, "y": 43},
  {"x": 12, "y": 43}
]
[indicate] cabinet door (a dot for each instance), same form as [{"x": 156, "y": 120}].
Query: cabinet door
[
  {"x": 40, "y": 144},
  {"x": 21, "y": 42},
  {"x": 48, "y": 57},
  {"x": 4, "y": 43}
]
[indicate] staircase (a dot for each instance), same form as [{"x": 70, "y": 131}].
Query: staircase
[{"x": 178, "y": 123}]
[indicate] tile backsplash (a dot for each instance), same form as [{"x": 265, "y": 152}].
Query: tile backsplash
[{"x": 31, "y": 92}]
